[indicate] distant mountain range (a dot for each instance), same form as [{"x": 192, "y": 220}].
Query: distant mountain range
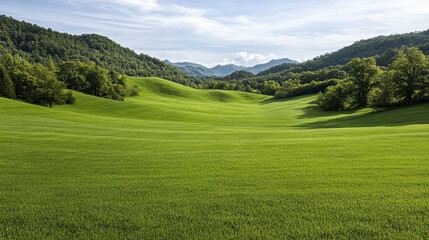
[{"x": 199, "y": 70}]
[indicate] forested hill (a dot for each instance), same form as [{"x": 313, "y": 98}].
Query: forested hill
[
  {"x": 38, "y": 45},
  {"x": 364, "y": 48}
]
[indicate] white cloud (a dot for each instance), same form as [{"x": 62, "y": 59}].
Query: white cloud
[{"x": 251, "y": 59}]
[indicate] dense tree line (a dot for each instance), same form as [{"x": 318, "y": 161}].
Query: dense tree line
[
  {"x": 39, "y": 45},
  {"x": 46, "y": 85},
  {"x": 239, "y": 75},
  {"x": 293, "y": 88},
  {"x": 282, "y": 86},
  {"x": 94, "y": 80},
  {"x": 33, "y": 83},
  {"x": 405, "y": 81}
]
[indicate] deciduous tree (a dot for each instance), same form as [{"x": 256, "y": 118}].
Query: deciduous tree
[
  {"x": 410, "y": 68},
  {"x": 363, "y": 73}
]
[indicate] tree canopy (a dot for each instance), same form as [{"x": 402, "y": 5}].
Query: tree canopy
[{"x": 406, "y": 81}]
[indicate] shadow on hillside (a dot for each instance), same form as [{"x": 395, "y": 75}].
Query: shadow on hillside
[
  {"x": 272, "y": 100},
  {"x": 401, "y": 116},
  {"x": 276, "y": 100},
  {"x": 314, "y": 111}
]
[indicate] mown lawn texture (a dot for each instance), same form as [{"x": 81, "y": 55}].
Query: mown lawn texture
[{"x": 180, "y": 163}]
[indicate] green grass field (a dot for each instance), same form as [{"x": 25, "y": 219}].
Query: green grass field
[{"x": 180, "y": 163}]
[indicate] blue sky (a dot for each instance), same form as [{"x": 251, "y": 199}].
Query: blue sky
[{"x": 244, "y": 32}]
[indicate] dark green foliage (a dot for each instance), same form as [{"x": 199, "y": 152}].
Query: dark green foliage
[
  {"x": 94, "y": 80},
  {"x": 424, "y": 48},
  {"x": 6, "y": 85},
  {"x": 45, "y": 85},
  {"x": 387, "y": 57},
  {"x": 39, "y": 45},
  {"x": 407, "y": 81},
  {"x": 34, "y": 83},
  {"x": 133, "y": 91},
  {"x": 242, "y": 81},
  {"x": 238, "y": 75},
  {"x": 321, "y": 75},
  {"x": 282, "y": 68},
  {"x": 270, "y": 87},
  {"x": 224, "y": 85},
  {"x": 293, "y": 90},
  {"x": 383, "y": 94},
  {"x": 49, "y": 90},
  {"x": 69, "y": 99},
  {"x": 362, "y": 73},
  {"x": 338, "y": 97},
  {"x": 410, "y": 70}
]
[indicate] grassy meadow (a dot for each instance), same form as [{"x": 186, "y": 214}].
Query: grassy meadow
[{"x": 181, "y": 163}]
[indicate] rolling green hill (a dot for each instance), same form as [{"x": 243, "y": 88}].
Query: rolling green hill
[{"x": 181, "y": 163}]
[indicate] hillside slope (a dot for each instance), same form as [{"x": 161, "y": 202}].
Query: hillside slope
[
  {"x": 162, "y": 100},
  {"x": 181, "y": 163}
]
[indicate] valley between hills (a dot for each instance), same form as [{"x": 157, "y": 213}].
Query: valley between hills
[{"x": 99, "y": 142}]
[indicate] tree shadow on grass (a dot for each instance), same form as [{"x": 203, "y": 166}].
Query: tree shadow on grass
[
  {"x": 273, "y": 100},
  {"x": 292, "y": 99},
  {"x": 314, "y": 111},
  {"x": 401, "y": 116}
]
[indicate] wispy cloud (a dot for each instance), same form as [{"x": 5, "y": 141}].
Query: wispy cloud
[{"x": 241, "y": 32}]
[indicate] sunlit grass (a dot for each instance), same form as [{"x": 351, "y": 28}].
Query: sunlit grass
[{"x": 177, "y": 163}]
